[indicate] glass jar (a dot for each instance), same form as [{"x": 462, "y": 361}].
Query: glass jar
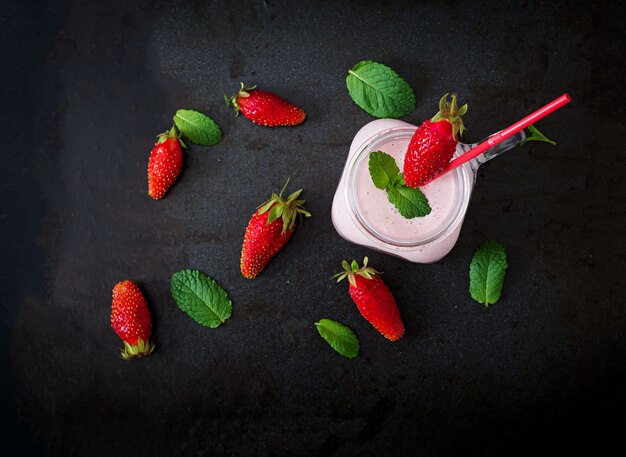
[{"x": 362, "y": 214}]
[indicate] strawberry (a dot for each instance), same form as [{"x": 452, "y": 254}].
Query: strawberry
[
  {"x": 166, "y": 161},
  {"x": 433, "y": 143},
  {"x": 373, "y": 298},
  {"x": 265, "y": 108},
  {"x": 130, "y": 318},
  {"x": 268, "y": 231}
]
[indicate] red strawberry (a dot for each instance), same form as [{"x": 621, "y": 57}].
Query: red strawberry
[
  {"x": 433, "y": 143},
  {"x": 265, "y": 108},
  {"x": 373, "y": 298},
  {"x": 269, "y": 230},
  {"x": 130, "y": 318},
  {"x": 166, "y": 161}
]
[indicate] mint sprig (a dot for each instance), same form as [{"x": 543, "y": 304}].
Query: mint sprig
[
  {"x": 379, "y": 90},
  {"x": 487, "y": 270},
  {"x": 198, "y": 127},
  {"x": 386, "y": 176},
  {"x": 201, "y": 298},
  {"x": 340, "y": 337},
  {"x": 536, "y": 135},
  {"x": 408, "y": 201},
  {"x": 383, "y": 169}
]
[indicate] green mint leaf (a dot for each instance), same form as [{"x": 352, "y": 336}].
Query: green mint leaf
[
  {"x": 383, "y": 169},
  {"x": 379, "y": 91},
  {"x": 487, "y": 271},
  {"x": 201, "y": 298},
  {"x": 409, "y": 202},
  {"x": 536, "y": 135},
  {"x": 341, "y": 338},
  {"x": 386, "y": 175},
  {"x": 199, "y": 128}
]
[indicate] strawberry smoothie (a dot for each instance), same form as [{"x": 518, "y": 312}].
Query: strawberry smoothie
[{"x": 362, "y": 213}]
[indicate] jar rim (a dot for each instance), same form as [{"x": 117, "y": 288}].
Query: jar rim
[{"x": 462, "y": 175}]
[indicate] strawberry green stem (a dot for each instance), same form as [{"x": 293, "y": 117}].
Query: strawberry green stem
[
  {"x": 352, "y": 269},
  {"x": 288, "y": 210},
  {"x": 172, "y": 133},
  {"x": 244, "y": 92},
  {"x": 450, "y": 112},
  {"x": 137, "y": 350}
]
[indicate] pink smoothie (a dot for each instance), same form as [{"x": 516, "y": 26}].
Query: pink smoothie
[
  {"x": 362, "y": 214},
  {"x": 385, "y": 219}
]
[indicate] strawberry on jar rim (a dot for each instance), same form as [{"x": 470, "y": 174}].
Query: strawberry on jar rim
[
  {"x": 433, "y": 143},
  {"x": 268, "y": 231},
  {"x": 131, "y": 320},
  {"x": 265, "y": 108},
  {"x": 373, "y": 298},
  {"x": 166, "y": 161}
]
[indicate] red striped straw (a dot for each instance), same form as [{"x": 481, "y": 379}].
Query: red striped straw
[{"x": 507, "y": 132}]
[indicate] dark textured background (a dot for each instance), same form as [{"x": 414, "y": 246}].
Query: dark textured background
[{"x": 87, "y": 86}]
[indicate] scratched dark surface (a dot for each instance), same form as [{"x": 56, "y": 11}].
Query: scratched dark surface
[{"x": 87, "y": 86}]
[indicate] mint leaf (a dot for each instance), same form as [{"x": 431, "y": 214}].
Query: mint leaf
[
  {"x": 199, "y": 128},
  {"x": 341, "y": 338},
  {"x": 536, "y": 135},
  {"x": 408, "y": 201},
  {"x": 201, "y": 298},
  {"x": 487, "y": 271},
  {"x": 386, "y": 175},
  {"x": 379, "y": 90},
  {"x": 382, "y": 168}
]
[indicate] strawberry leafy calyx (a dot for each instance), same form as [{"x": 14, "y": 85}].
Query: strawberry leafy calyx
[
  {"x": 140, "y": 349},
  {"x": 287, "y": 210},
  {"x": 351, "y": 270},
  {"x": 450, "y": 111},
  {"x": 171, "y": 133},
  {"x": 233, "y": 101}
]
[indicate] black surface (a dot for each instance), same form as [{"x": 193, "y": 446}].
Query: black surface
[{"x": 86, "y": 87}]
